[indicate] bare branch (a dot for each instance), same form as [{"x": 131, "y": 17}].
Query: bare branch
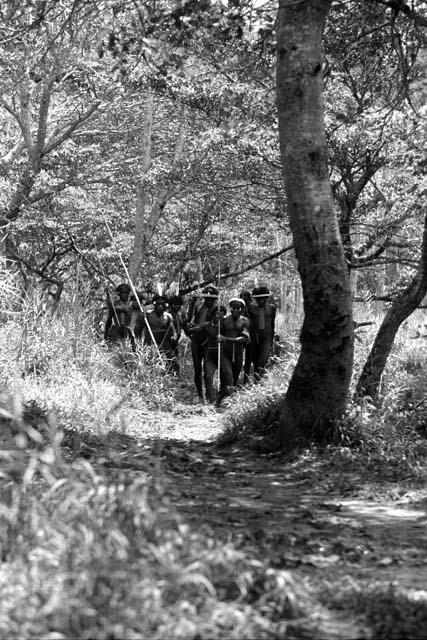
[
  {"x": 399, "y": 6},
  {"x": 57, "y": 140},
  {"x": 226, "y": 276}
]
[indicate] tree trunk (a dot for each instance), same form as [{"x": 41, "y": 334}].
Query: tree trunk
[
  {"x": 370, "y": 379},
  {"x": 137, "y": 256},
  {"x": 318, "y": 390},
  {"x": 146, "y": 225}
]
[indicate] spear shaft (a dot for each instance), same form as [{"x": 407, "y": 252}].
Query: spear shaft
[
  {"x": 219, "y": 315},
  {"x": 147, "y": 324}
]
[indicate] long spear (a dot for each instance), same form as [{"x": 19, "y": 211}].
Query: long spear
[
  {"x": 219, "y": 315},
  {"x": 147, "y": 324}
]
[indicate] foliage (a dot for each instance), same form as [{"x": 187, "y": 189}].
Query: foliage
[
  {"x": 101, "y": 556},
  {"x": 391, "y": 612},
  {"x": 388, "y": 441}
]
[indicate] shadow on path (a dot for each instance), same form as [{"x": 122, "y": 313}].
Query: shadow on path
[{"x": 296, "y": 513}]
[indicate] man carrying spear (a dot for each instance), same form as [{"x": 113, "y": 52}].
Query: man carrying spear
[
  {"x": 232, "y": 338},
  {"x": 201, "y": 315},
  {"x": 119, "y": 318}
]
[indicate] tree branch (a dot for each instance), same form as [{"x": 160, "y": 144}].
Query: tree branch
[
  {"x": 399, "y": 6},
  {"x": 226, "y": 276},
  {"x": 67, "y": 132}
]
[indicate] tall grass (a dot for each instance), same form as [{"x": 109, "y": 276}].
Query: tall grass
[{"x": 54, "y": 358}]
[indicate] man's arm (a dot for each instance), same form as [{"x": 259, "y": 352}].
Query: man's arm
[
  {"x": 273, "y": 322},
  {"x": 108, "y": 323},
  {"x": 184, "y": 323},
  {"x": 171, "y": 327},
  {"x": 244, "y": 335}
]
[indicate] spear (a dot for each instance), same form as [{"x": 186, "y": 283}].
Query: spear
[
  {"x": 219, "y": 315},
  {"x": 147, "y": 324}
]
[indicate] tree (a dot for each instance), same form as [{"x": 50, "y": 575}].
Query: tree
[
  {"x": 402, "y": 307},
  {"x": 317, "y": 393}
]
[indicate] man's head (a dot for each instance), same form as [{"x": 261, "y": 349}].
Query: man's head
[
  {"x": 175, "y": 303},
  {"x": 123, "y": 291},
  {"x": 246, "y": 295},
  {"x": 236, "y": 306},
  {"x": 159, "y": 303},
  {"x": 261, "y": 295},
  {"x": 209, "y": 295}
]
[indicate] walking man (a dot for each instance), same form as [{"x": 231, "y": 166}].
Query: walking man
[
  {"x": 180, "y": 321},
  {"x": 202, "y": 314},
  {"x": 162, "y": 329},
  {"x": 233, "y": 338},
  {"x": 211, "y": 352},
  {"x": 262, "y": 316},
  {"x": 119, "y": 318}
]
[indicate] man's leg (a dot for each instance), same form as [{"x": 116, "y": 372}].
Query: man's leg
[
  {"x": 197, "y": 355},
  {"x": 264, "y": 349},
  {"x": 226, "y": 377},
  {"x": 248, "y": 363},
  {"x": 170, "y": 354},
  {"x": 237, "y": 367},
  {"x": 210, "y": 366}
]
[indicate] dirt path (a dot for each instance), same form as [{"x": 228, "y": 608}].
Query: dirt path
[
  {"x": 341, "y": 534},
  {"x": 322, "y": 523},
  {"x": 346, "y": 536}
]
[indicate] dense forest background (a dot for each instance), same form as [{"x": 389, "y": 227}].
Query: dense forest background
[{"x": 161, "y": 121}]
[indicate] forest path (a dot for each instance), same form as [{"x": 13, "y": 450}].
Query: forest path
[{"x": 345, "y": 534}]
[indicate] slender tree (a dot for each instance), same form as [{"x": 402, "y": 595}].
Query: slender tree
[{"x": 402, "y": 307}]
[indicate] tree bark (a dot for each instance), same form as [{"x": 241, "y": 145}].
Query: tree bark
[
  {"x": 317, "y": 393},
  {"x": 137, "y": 256},
  {"x": 146, "y": 225},
  {"x": 401, "y": 308}
]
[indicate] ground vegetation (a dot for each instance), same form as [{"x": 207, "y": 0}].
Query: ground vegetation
[{"x": 121, "y": 496}]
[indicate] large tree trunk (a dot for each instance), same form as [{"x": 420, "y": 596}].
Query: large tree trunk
[
  {"x": 402, "y": 307},
  {"x": 318, "y": 390}
]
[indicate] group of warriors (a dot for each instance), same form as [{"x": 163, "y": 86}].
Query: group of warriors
[{"x": 225, "y": 341}]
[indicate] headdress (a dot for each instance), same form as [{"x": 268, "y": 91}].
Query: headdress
[{"x": 261, "y": 292}]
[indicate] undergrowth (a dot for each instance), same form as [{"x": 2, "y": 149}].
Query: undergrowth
[
  {"x": 391, "y": 612},
  {"x": 387, "y": 439},
  {"x": 49, "y": 358},
  {"x": 90, "y": 556}
]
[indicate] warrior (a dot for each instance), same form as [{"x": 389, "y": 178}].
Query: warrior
[
  {"x": 162, "y": 329},
  {"x": 246, "y": 296},
  {"x": 180, "y": 321},
  {"x": 118, "y": 325},
  {"x": 211, "y": 352},
  {"x": 262, "y": 316},
  {"x": 233, "y": 337},
  {"x": 202, "y": 314}
]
